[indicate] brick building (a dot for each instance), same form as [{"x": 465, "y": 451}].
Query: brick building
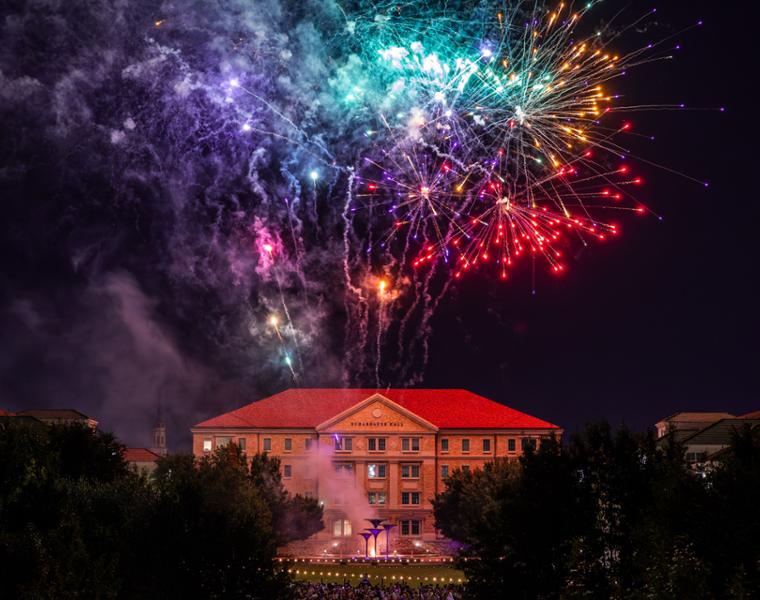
[{"x": 369, "y": 454}]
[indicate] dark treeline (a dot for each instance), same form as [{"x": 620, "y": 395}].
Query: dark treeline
[
  {"x": 76, "y": 522},
  {"x": 610, "y": 515}
]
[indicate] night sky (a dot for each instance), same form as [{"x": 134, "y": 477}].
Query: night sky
[{"x": 130, "y": 265}]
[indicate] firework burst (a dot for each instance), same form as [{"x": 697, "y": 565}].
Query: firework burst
[{"x": 499, "y": 139}]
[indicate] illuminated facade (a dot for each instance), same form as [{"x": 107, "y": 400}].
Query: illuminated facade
[{"x": 368, "y": 454}]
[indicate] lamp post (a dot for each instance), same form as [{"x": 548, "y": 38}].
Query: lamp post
[
  {"x": 388, "y": 527},
  {"x": 374, "y": 531},
  {"x": 366, "y": 535}
]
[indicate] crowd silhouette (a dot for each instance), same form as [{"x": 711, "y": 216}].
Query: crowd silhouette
[{"x": 365, "y": 591}]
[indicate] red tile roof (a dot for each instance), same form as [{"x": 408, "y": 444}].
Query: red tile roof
[
  {"x": 446, "y": 409},
  {"x": 755, "y": 414},
  {"x": 140, "y": 455}
]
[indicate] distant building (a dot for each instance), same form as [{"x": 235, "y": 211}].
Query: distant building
[
  {"x": 686, "y": 423},
  {"x": 368, "y": 454},
  {"x": 141, "y": 459},
  {"x": 704, "y": 436},
  {"x": 56, "y": 416}
]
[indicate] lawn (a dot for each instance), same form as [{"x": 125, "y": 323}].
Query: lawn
[{"x": 381, "y": 573}]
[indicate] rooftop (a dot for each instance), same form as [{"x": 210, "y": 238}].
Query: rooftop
[
  {"x": 140, "y": 455},
  {"x": 53, "y": 413},
  {"x": 445, "y": 408},
  {"x": 697, "y": 417},
  {"x": 720, "y": 432}
]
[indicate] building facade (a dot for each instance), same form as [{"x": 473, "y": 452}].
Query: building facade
[
  {"x": 368, "y": 454},
  {"x": 704, "y": 436}
]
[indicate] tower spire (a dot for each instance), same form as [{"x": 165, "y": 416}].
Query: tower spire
[{"x": 159, "y": 432}]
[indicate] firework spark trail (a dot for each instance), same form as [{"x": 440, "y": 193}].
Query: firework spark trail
[
  {"x": 381, "y": 318},
  {"x": 292, "y": 220},
  {"x": 356, "y": 310},
  {"x": 424, "y": 333}
]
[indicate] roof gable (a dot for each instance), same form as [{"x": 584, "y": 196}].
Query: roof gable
[{"x": 376, "y": 411}]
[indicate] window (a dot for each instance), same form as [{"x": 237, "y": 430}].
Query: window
[
  {"x": 288, "y": 444},
  {"x": 410, "y": 498},
  {"x": 376, "y": 471},
  {"x": 465, "y": 445},
  {"x": 241, "y": 443},
  {"x": 207, "y": 445},
  {"x": 377, "y": 497},
  {"x": 376, "y": 444},
  {"x": 267, "y": 444},
  {"x": 466, "y": 468},
  {"x": 444, "y": 444},
  {"x": 223, "y": 440},
  {"x": 410, "y": 444},
  {"x": 444, "y": 471},
  {"x": 341, "y": 528},
  {"x": 344, "y": 469},
  {"x": 526, "y": 443},
  {"x": 486, "y": 445},
  {"x": 692, "y": 457},
  {"x": 343, "y": 444},
  {"x": 410, "y": 471},
  {"x": 411, "y": 527},
  {"x": 287, "y": 471},
  {"x": 307, "y": 444},
  {"x": 511, "y": 444}
]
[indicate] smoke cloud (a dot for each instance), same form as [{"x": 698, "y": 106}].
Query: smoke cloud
[{"x": 173, "y": 175}]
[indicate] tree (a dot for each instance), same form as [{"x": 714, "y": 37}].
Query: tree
[
  {"x": 75, "y": 521},
  {"x": 733, "y": 527},
  {"x": 613, "y": 515},
  {"x": 518, "y": 521},
  {"x": 294, "y": 517},
  {"x": 67, "y": 505},
  {"x": 212, "y": 530}
]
